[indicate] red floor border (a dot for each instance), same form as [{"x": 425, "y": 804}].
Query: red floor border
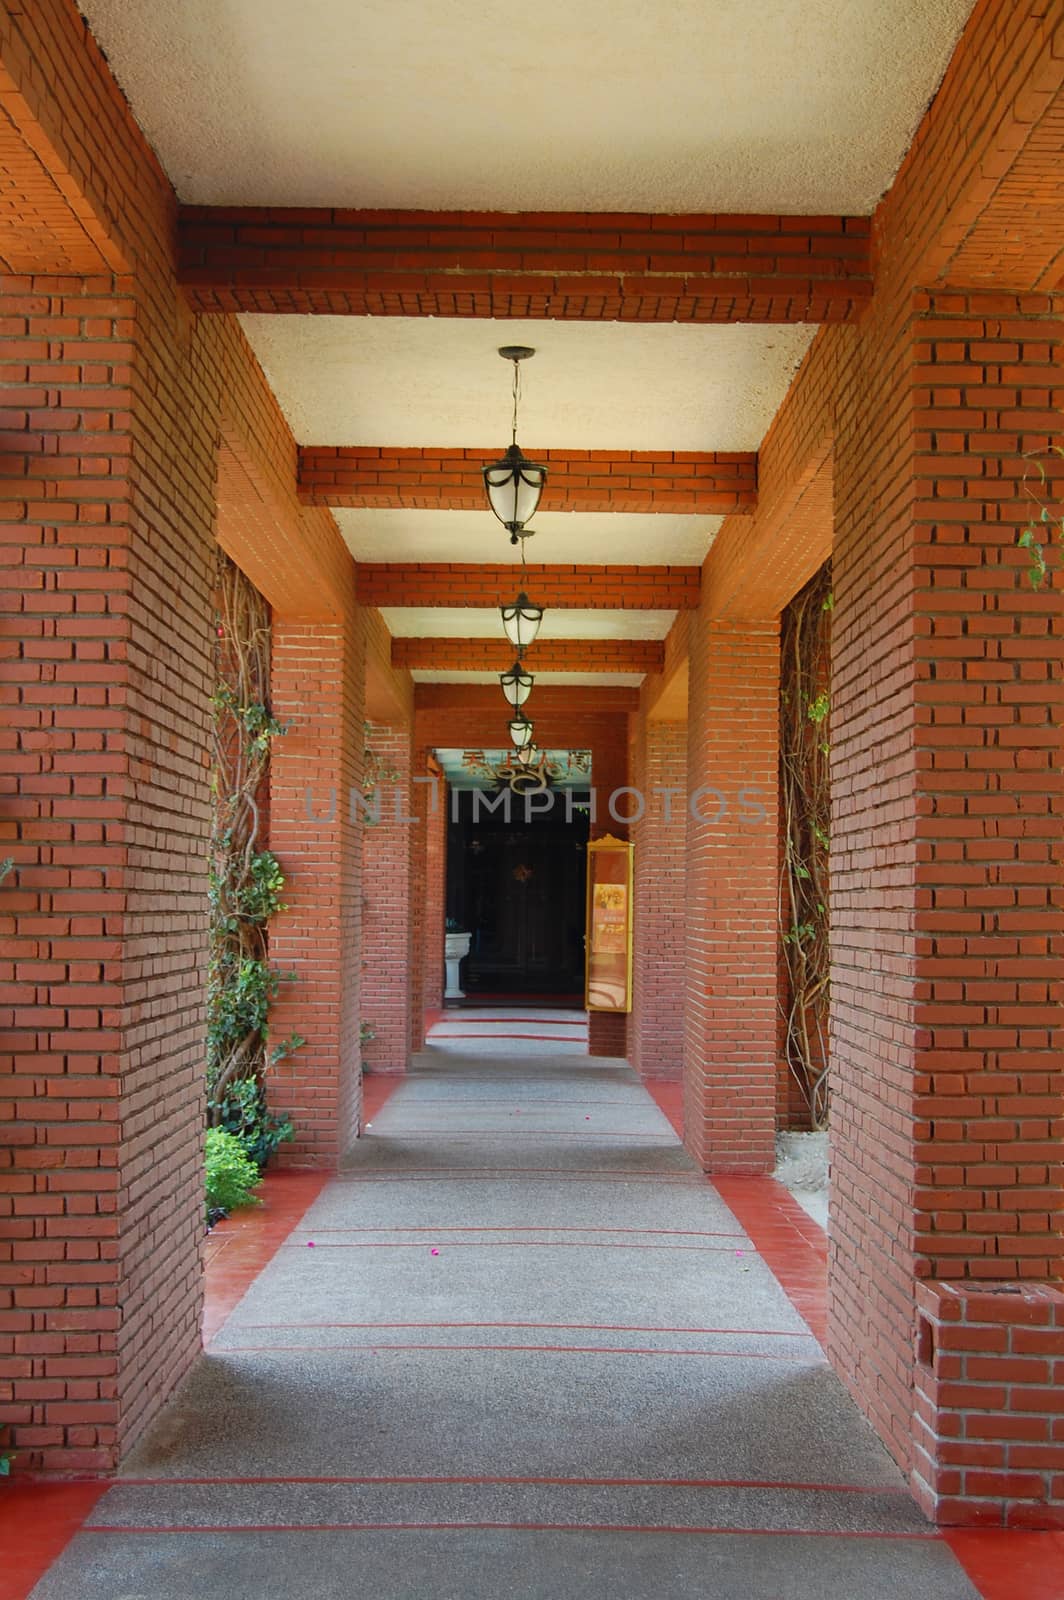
[
  {"x": 37, "y": 1522},
  {"x": 1005, "y": 1564},
  {"x": 241, "y": 1245}
]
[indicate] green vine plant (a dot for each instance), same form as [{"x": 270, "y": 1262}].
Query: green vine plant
[
  {"x": 1045, "y": 523},
  {"x": 805, "y": 801},
  {"x": 376, "y": 772},
  {"x": 245, "y": 879}
]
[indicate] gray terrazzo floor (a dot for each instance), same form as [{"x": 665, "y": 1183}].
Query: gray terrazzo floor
[{"x": 519, "y": 1347}]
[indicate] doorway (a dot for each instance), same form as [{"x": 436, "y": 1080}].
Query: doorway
[{"x": 516, "y": 883}]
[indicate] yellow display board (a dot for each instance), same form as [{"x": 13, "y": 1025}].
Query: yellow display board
[{"x": 608, "y": 968}]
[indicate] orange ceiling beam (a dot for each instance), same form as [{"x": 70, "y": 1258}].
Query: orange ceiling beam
[
  {"x": 584, "y": 266},
  {"x": 546, "y": 655},
  {"x": 707, "y": 482},
  {"x": 610, "y": 588}
]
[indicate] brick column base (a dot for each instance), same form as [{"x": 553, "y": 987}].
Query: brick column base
[
  {"x": 607, "y": 1033},
  {"x": 989, "y": 1422}
]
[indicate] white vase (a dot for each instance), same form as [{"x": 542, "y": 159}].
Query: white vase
[{"x": 456, "y": 948}]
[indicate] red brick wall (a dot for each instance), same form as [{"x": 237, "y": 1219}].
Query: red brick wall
[
  {"x": 947, "y": 743},
  {"x": 658, "y": 972},
  {"x": 732, "y": 864},
  {"x": 106, "y": 814},
  {"x": 113, "y": 399},
  {"x": 388, "y": 847},
  {"x": 316, "y": 834}
]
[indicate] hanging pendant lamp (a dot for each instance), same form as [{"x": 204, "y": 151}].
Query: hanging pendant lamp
[
  {"x": 520, "y": 729},
  {"x": 516, "y": 684},
  {"x": 514, "y": 483},
  {"x": 521, "y": 622}
]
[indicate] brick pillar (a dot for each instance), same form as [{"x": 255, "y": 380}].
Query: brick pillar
[
  {"x": 947, "y": 929},
  {"x": 656, "y": 1024},
  {"x": 732, "y": 864},
  {"x": 107, "y": 485},
  {"x": 435, "y": 923},
  {"x": 427, "y": 909},
  {"x": 387, "y": 858},
  {"x": 607, "y": 1033},
  {"x": 315, "y": 832}
]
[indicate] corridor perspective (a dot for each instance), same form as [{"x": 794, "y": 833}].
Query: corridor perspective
[
  {"x": 518, "y": 1346},
  {"x": 531, "y": 687}
]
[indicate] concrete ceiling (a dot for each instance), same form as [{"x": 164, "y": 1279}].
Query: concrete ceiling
[
  {"x": 588, "y": 538},
  {"x": 443, "y": 622},
  {"x": 793, "y": 106},
  {"x": 416, "y": 381},
  {"x": 617, "y": 105}
]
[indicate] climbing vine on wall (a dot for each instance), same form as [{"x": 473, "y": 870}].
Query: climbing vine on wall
[
  {"x": 245, "y": 878},
  {"x": 1045, "y": 521},
  {"x": 805, "y": 809}
]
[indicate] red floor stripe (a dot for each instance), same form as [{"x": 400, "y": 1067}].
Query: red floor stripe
[
  {"x": 522, "y": 1349},
  {"x": 530, "y": 1244},
  {"x": 528, "y": 1227},
  {"x": 242, "y": 1245},
  {"x": 531, "y": 1527},
  {"x": 37, "y": 1522},
  {"x": 1008, "y": 1565},
  {"x": 446, "y": 1038},
  {"x": 548, "y": 1480},
  {"x": 571, "y": 1327}
]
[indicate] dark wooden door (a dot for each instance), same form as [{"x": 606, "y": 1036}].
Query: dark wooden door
[{"x": 519, "y": 889}]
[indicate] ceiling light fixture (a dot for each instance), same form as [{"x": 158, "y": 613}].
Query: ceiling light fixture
[
  {"x": 520, "y": 731},
  {"x": 513, "y": 483},
  {"x": 516, "y": 684},
  {"x": 521, "y": 621}
]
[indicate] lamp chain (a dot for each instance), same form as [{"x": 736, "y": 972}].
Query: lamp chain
[{"x": 516, "y": 393}]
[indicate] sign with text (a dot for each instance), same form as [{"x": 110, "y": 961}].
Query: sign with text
[{"x": 608, "y": 985}]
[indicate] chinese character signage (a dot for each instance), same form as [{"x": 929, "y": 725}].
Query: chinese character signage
[{"x": 609, "y": 925}]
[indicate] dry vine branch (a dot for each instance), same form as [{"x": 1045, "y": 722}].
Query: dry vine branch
[
  {"x": 805, "y": 803},
  {"x": 245, "y": 879}
]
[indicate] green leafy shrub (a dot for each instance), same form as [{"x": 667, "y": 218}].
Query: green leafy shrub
[
  {"x": 243, "y": 1112},
  {"x": 232, "y": 1176}
]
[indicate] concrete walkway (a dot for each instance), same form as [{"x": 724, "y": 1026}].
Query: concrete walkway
[{"x": 521, "y": 1348}]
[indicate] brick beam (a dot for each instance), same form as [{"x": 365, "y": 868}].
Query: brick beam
[
  {"x": 1000, "y": 219},
  {"x": 595, "y": 267},
  {"x": 440, "y": 583},
  {"x": 547, "y": 655},
  {"x": 709, "y": 482},
  {"x": 572, "y": 703},
  {"x": 67, "y": 145}
]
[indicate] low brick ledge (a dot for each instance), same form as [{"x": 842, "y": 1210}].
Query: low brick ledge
[{"x": 989, "y": 1404}]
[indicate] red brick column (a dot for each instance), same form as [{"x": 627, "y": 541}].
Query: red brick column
[
  {"x": 387, "y": 859},
  {"x": 656, "y": 1023},
  {"x": 106, "y": 483},
  {"x": 315, "y": 831},
  {"x": 732, "y": 865},
  {"x": 607, "y": 1033},
  {"x": 427, "y": 889},
  {"x": 947, "y": 929},
  {"x": 435, "y": 922}
]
